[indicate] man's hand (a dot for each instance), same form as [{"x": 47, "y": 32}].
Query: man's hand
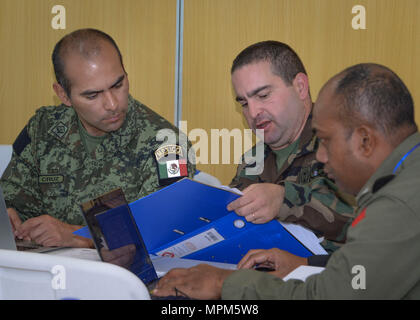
[
  {"x": 281, "y": 261},
  {"x": 51, "y": 232},
  {"x": 260, "y": 203},
  {"x": 14, "y": 219},
  {"x": 199, "y": 282}
]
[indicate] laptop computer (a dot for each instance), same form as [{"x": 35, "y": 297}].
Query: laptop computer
[
  {"x": 117, "y": 238},
  {"x": 119, "y": 241},
  {"x": 7, "y": 238}
]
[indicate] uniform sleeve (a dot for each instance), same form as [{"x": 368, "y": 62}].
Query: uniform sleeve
[
  {"x": 318, "y": 206},
  {"x": 366, "y": 267},
  {"x": 315, "y": 205},
  {"x": 318, "y": 260},
  {"x": 20, "y": 180}
]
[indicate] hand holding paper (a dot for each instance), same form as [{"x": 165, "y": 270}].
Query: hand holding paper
[{"x": 260, "y": 202}]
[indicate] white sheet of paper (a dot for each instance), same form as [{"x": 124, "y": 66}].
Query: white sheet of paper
[
  {"x": 302, "y": 272},
  {"x": 305, "y": 236}
]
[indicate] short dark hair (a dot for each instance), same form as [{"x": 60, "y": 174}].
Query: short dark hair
[
  {"x": 77, "y": 41},
  {"x": 374, "y": 94},
  {"x": 284, "y": 61}
]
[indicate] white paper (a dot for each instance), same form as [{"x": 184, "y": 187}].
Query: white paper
[
  {"x": 209, "y": 180},
  {"x": 306, "y": 237},
  {"x": 234, "y": 190},
  {"x": 302, "y": 272}
]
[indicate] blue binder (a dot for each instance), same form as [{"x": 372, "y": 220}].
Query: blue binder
[
  {"x": 188, "y": 208},
  {"x": 185, "y": 210}
]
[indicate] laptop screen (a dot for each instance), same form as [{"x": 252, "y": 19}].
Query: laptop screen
[{"x": 116, "y": 235}]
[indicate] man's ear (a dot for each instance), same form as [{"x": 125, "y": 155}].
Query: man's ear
[
  {"x": 301, "y": 85},
  {"x": 61, "y": 94},
  {"x": 366, "y": 140}
]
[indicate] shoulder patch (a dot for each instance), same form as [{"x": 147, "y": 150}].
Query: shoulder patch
[
  {"x": 21, "y": 141},
  {"x": 171, "y": 164}
]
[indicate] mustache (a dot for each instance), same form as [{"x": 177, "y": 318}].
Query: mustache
[
  {"x": 113, "y": 114},
  {"x": 260, "y": 119}
]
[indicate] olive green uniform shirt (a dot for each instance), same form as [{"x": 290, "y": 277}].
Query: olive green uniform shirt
[
  {"x": 382, "y": 243},
  {"x": 52, "y": 173}
]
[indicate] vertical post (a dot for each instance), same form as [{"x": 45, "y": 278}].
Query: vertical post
[{"x": 178, "y": 61}]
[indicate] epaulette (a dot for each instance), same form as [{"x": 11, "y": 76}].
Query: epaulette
[
  {"x": 21, "y": 141},
  {"x": 381, "y": 182}
]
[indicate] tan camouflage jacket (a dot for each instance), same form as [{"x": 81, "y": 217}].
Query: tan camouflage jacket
[
  {"x": 311, "y": 199},
  {"x": 51, "y": 173}
]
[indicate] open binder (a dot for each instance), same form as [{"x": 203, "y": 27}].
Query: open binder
[{"x": 189, "y": 219}]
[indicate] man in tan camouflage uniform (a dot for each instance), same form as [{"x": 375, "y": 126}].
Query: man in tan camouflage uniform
[
  {"x": 271, "y": 84},
  {"x": 370, "y": 143},
  {"x": 99, "y": 139}
]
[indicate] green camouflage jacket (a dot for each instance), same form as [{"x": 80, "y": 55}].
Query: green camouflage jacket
[
  {"x": 380, "y": 259},
  {"x": 51, "y": 173},
  {"x": 311, "y": 199}
]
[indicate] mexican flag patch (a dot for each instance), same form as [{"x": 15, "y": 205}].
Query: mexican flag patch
[
  {"x": 173, "y": 168},
  {"x": 171, "y": 164}
]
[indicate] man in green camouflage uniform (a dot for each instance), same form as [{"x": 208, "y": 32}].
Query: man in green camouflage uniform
[
  {"x": 271, "y": 84},
  {"x": 369, "y": 142},
  {"x": 98, "y": 140}
]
